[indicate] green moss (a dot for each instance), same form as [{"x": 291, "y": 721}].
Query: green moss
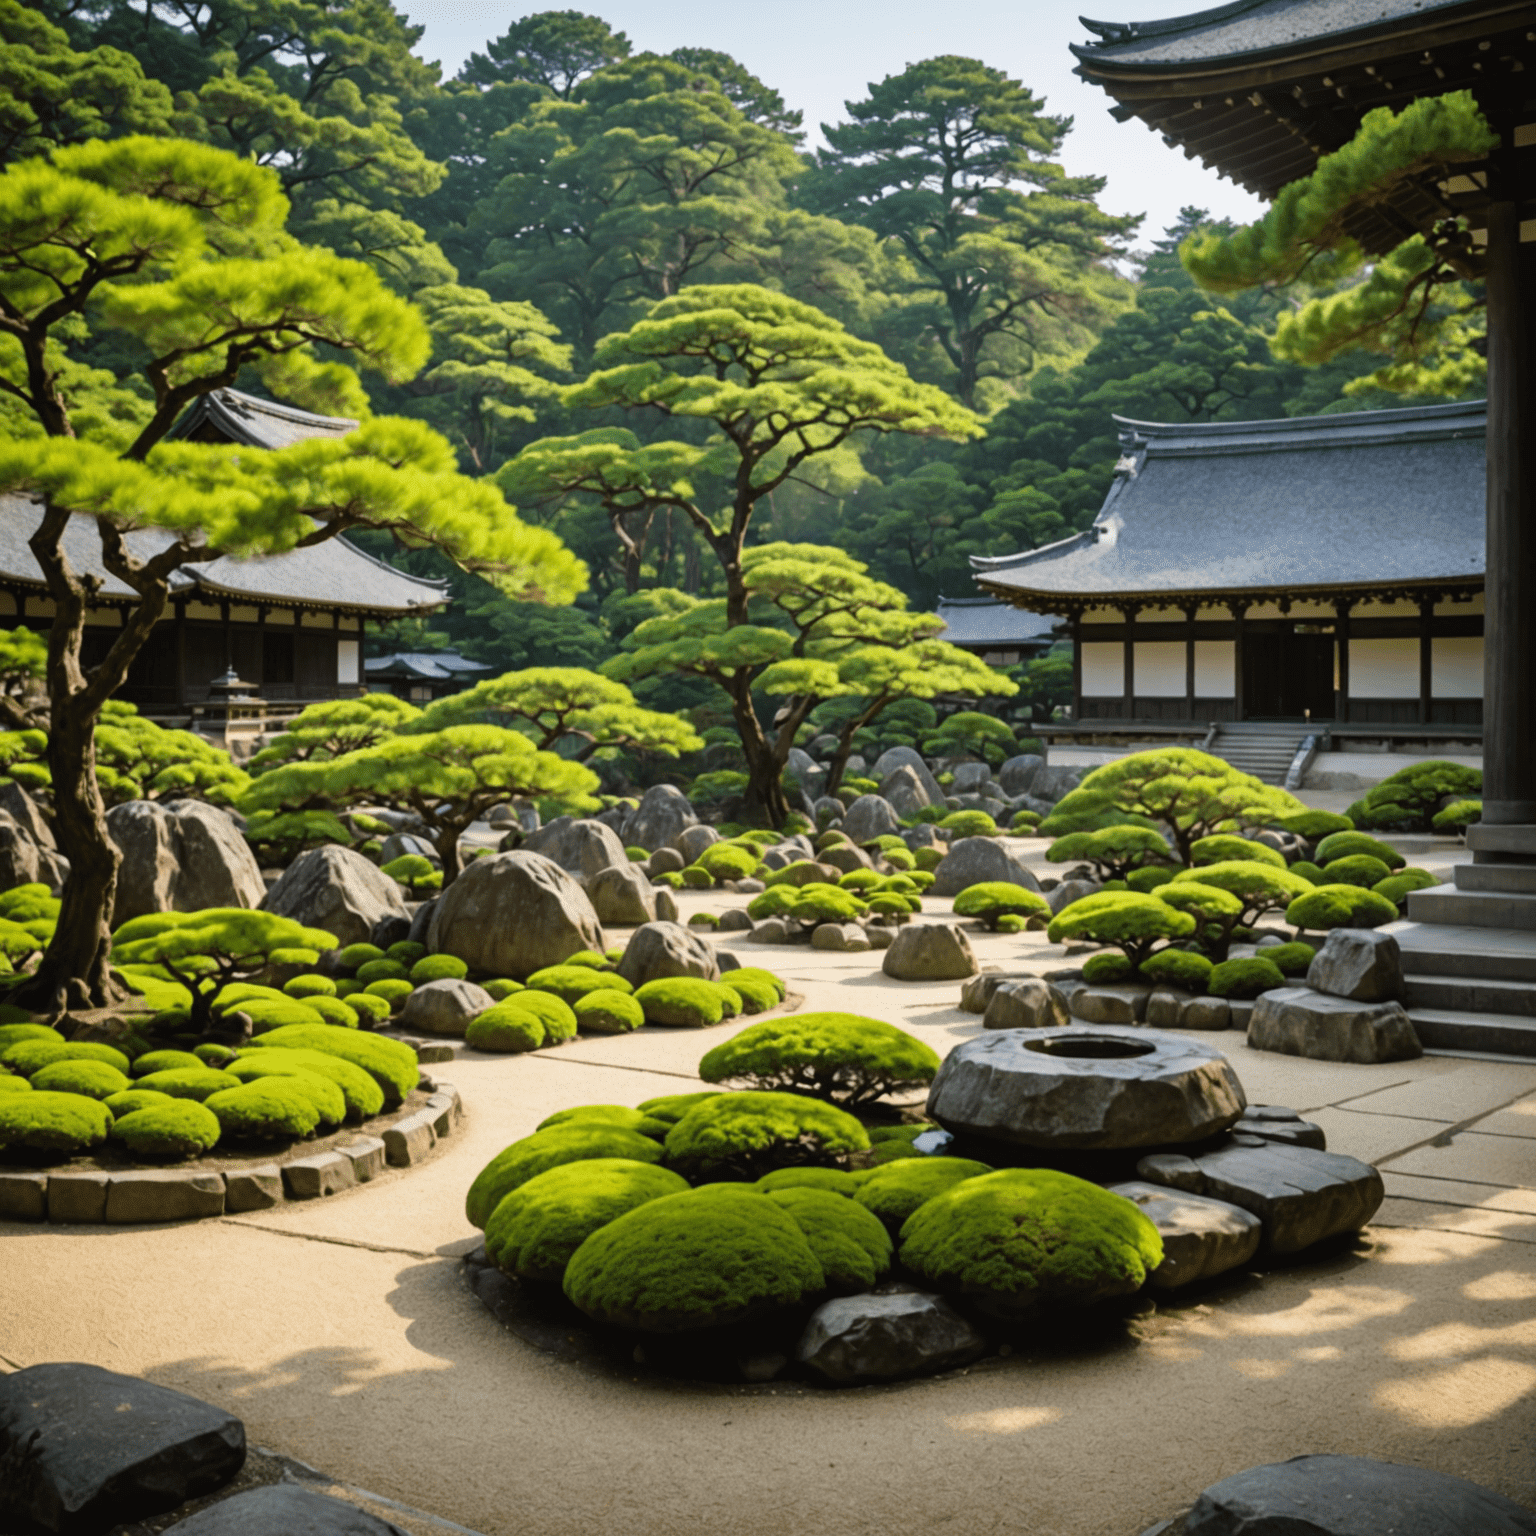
[
  {"x": 1177, "y": 968},
  {"x": 1355, "y": 869},
  {"x": 1308, "y": 871},
  {"x": 188, "y": 1082},
  {"x": 818, "y": 903},
  {"x": 382, "y": 970},
  {"x": 671, "y": 1107},
  {"x": 361, "y": 1095},
  {"x": 896, "y": 1189},
  {"x": 536, "y": 1229},
  {"x": 928, "y": 859},
  {"x": 1397, "y": 888},
  {"x": 370, "y": 1009},
  {"x": 93, "y": 1079},
  {"x": 165, "y": 1061},
  {"x": 437, "y": 968},
  {"x": 406, "y": 951},
  {"x": 1344, "y": 845},
  {"x": 331, "y": 1010},
  {"x": 390, "y": 1063},
  {"x": 55, "y": 1123},
  {"x": 901, "y": 858},
  {"x": 133, "y": 1099},
  {"x": 969, "y": 824},
  {"x": 505, "y": 1029},
  {"x": 1245, "y": 978},
  {"x": 1128, "y": 919},
  {"x": 269, "y": 1016},
  {"x": 1312, "y": 825},
  {"x": 833, "y": 1181},
  {"x": 1221, "y": 849},
  {"x": 1107, "y": 969},
  {"x": 569, "y": 982},
  {"x": 1013, "y": 1239},
  {"x": 993, "y": 899},
  {"x": 393, "y": 989},
  {"x": 840, "y": 1057},
  {"x": 513, "y": 1166},
  {"x": 15, "y": 1034},
  {"x": 619, "y": 1115},
  {"x": 696, "y": 879},
  {"x": 757, "y": 994},
  {"x": 29, "y": 1056},
  {"x": 730, "y": 999},
  {"x": 176, "y": 1129},
  {"x": 860, "y": 880},
  {"x": 269, "y": 1109},
  {"x": 850, "y": 1244},
  {"x": 608, "y": 1012},
  {"x": 10, "y": 1083},
  {"x": 355, "y": 955},
  {"x": 681, "y": 1002},
  {"x": 556, "y": 1015},
  {"x": 699, "y": 1259},
  {"x": 727, "y": 861},
  {"x": 306, "y": 987},
  {"x": 1340, "y": 906},
  {"x": 501, "y": 987},
  {"x": 212, "y": 1054},
  {"x": 1458, "y": 816},
  {"x": 704, "y": 920},
  {"x": 1149, "y": 878},
  {"x": 1290, "y": 959},
  {"x": 745, "y": 1135}
]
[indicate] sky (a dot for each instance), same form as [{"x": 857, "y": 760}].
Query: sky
[{"x": 820, "y": 53}]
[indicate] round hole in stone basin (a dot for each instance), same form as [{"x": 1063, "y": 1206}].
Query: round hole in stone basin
[{"x": 1089, "y": 1047}]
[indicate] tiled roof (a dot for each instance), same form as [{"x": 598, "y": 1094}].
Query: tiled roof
[
  {"x": 228, "y": 416},
  {"x": 429, "y": 666},
  {"x": 1369, "y": 501},
  {"x": 985, "y": 621}
]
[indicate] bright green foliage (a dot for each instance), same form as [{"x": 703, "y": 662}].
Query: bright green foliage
[
  {"x": 535, "y": 1229},
  {"x": 852, "y": 1247},
  {"x": 555, "y": 1013},
  {"x": 1109, "y": 969},
  {"x": 390, "y": 1063},
  {"x": 361, "y": 1096},
  {"x": 1114, "y": 852},
  {"x": 1245, "y": 978},
  {"x": 383, "y": 969},
  {"x": 14, "y": 1034},
  {"x": 969, "y": 824},
  {"x": 840, "y": 1057},
  {"x": 1217, "y": 912},
  {"x": 93, "y": 1079},
  {"x": 505, "y": 1028},
  {"x": 1312, "y": 825},
  {"x": 895, "y": 1190},
  {"x": 1014, "y": 1239},
  {"x": 355, "y": 955},
  {"x": 745, "y": 1135},
  {"x": 1408, "y": 800},
  {"x": 1344, "y": 845},
  {"x": 503, "y": 987},
  {"x": 28, "y": 1056},
  {"x": 1177, "y": 968},
  {"x": 1356, "y": 869},
  {"x": 619, "y": 1115},
  {"x": 164, "y": 1061},
  {"x": 1458, "y": 816},
  {"x": 327, "y": 1099},
  {"x": 832, "y": 1180},
  {"x": 515, "y": 1165},
  {"x": 334, "y": 727},
  {"x": 196, "y": 1083},
  {"x": 1259, "y": 888},
  {"x": 969, "y": 731},
  {"x": 417, "y": 873},
  {"x": 995, "y": 899},
  {"x": 393, "y": 989},
  {"x": 682, "y": 1002},
  {"x": 725, "y": 861},
  {"x": 800, "y": 872},
  {"x": 1150, "y": 878},
  {"x": 306, "y": 987},
  {"x": 213, "y": 1054},
  {"x": 860, "y": 880},
  {"x": 702, "y": 1259},
  {"x": 1339, "y": 906},
  {"x": 270, "y": 1109},
  {"x": 671, "y": 1107},
  {"x": 1293, "y": 959},
  {"x": 126, "y": 1103},
  {"x": 1126, "y": 919},
  {"x": 1396, "y": 888},
  {"x": 1225, "y": 849},
  {"x": 60, "y": 1123},
  {"x": 759, "y": 990},
  {"x": 928, "y": 859},
  {"x": 571, "y": 982},
  {"x": 370, "y": 1009},
  {"x": 175, "y": 1130},
  {"x": 437, "y": 968}
]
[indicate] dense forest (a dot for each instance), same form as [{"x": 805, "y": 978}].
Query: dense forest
[{"x": 561, "y": 184}]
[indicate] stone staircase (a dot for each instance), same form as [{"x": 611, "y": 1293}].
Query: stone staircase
[{"x": 1265, "y": 751}]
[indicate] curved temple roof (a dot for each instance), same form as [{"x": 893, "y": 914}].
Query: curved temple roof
[{"x": 1369, "y": 501}]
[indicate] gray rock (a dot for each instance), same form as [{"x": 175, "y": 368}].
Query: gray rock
[
  {"x": 392, "y": 929},
  {"x": 326, "y": 1173},
  {"x": 976, "y": 860},
  {"x": 886, "y": 1338},
  {"x": 1173, "y": 1170},
  {"x": 444, "y": 1007},
  {"x": 1241, "y": 1012},
  {"x": 774, "y": 930},
  {"x": 1062, "y": 896},
  {"x": 1029, "y": 1003},
  {"x": 870, "y": 817},
  {"x": 16, "y": 803},
  {"x": 1352, "y": 1496},
  {"x": 1017, "y": 775},
  {"x": 1274, "y": 1122},
  {"x": 409, "y": 1140},
  {"x": 665, "y": 861},
  {"x": 339, "y": 890},
  {"x": 421, "y": 921},
  {"x": 843, "y": 937},
  {"x": 1086, "y": 1088},
  {"x": 398, "y": 821},
  {"x": 1287, "y": 844},
  {"x": 1051, "y": 784},
  {"x": 775, "y": 858},
  {"x": 1296, "y": 1021},
  {"x": 1205, "y": 1013},
  {"x": 667, "y": 949},
  {"x": 845, "y": 858},
  {"x": 25, "y": 862},
  {"x": 1126, "y": 1004},
  {"x": 667, "y": 910},
  {"x": 751, "y": 886},
  {"x": 512, "y": 914},
  {"x": 85, "y": 1449},
  {"x": 970, "y": 778},
  {"x": 905, "y": 790},
  {"x": 1201, "y": 1237},
  {"x": 734, "y": 920},
  {"x": 977, "y": 992},
  {"x": 398, "y": 844},
  {"x": 904, "y": 757},
  {"x": 622, "y": 896},
  {"x": 797, "y": 847},
  {"x": 181, "y": 856},
  {"x": 663, "y": 812},
  {"x": 283, "y": 1509},
  {"x": 1164, "y": 1007},
  {"x": 164, "y": 1194},
  {"x": 23, "y": 1196},
  {"x": 879, "y": 938},
  {"x": 930, "y": 952},
  {"x": 1362, "y": 964},
  {"x": 692, "y": 841},
  {"x": 827, "y": 809},
  {"x": 924, "y": 835},
  {"x": 253, "y": 1189},
  {"x": 581, "y": 848}
]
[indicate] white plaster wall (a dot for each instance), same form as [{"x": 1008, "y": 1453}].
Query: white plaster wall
[
  {"x": 1103, "y": 669},
  {"x": 1215, "y": 670},
  {"x": 1456, "y": 666},
  {"x": 1384, "y": 669},
  {"x": 346, "y": 661},
  {"x": 1160, "y": 669}
]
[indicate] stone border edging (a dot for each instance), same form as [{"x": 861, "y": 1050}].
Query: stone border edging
[{"x": 132, "y": 1195}]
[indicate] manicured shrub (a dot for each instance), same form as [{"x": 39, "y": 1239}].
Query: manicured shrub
[
  {"x": 29, "y": 1056},
  {"x": 608, "y": 1012},
  {"x": 893, "y": 904},
  {"x": 993, "y": 899},
  {"x": 505, "y": 1029},
  {"x": 1396, "y": 888},
  {"x": 11, "y": 1083},
  {"x": 969, "y": 824},
  {"x": 757, "y": 993},
  {"x": 382, "y": 970},
  {"x": 1339, "y": 906},
  {"x": 265, "y": 1016},
  {"x": 502, "y": 987},
  {"x": 757, "y": 973},
  {"x": 331, "y": 1010},
  {"x": 1113, "y": 851},
  {"x": 535, "y": 1230},
  {"x": 556, "y": 1015},
  {"x": 306, "y": 987},
  {"x": 93, "y": 1079},
  {"x": 727, "y": 861},
  {"x": 370, "y": 1008},
  {"x": 406, "y": 951},
  {"x": 437, "y": 968},
  {"x": 850, "y": 1244},
  {"x": 238, "y": 993},
  {"x": 1308, "y": 871},
  {"x": 901, "y": 858},
  {"x": 269, "y": 1109},
  {"x": 896, "y": 1189},
  {"x": 165, "y": 1061},
  {"x": 1128, "y": 919},
  {"x": 58, "y": 1123},
  {"x": 1176, "y": 968},
  {"x": 834, "y": 1181},
  {"x": 361, "y": 1096},
  {"x": 15, "y": 1034},
  {"x": 176, "y": 1129},
  {"x": 700, "y": 1259},
  {"x": 513, "y": 1166},
  {"x": 681, "y": 1002},
  {"x": 1108, "y": 969},
  {"x": 1355, "y": 869},
  {"x": 696, "y": 878},
  {"x": 1344, "y": 845},
  {"x": 390, "y": 1063},
  {"x": 619, "y": 1115},
  {"x": 1311, "y": 825},
  {"x": 394, "y": 990},
  {"x": 1222, "y": 849},
  {"x": 1458, "y": 816},
  {"x": 671, "y": 1107},
  {"x": 1292, "y": 959},
  {"x": 355, "y": 955},
  {"x": 212, "y": 1054},
  {"x": 197, "y": 1082},
  {"x": 1013, "y": 1239},
  {"x": 745, "y": 1135},
  {"x": 928, "y": 859},
  {"x": 840, "y": 1057},
  {"x": 570, "y": 982},
  {"x": 1218, "y": 914},
  {"x": 129, "y": 1101},
  {"x": 1024, "y": 821},
  {"x": 1150, "y": 877},
  {"x": 730, "y": 999},
  {"x": 860, "y": 880},
  {"x": 1407, "y": 800},
  {"x": 637, "y": 855},
  {"x": 1245, "y": 978}
]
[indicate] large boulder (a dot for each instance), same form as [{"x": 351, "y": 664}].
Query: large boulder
[
  {"x": 1060, "y": 897},
  {"x": 870, "y": 817},
  {"x": 180, "y": 856},
  {"x": 692, "y": 841},
  {"x": 399, "y": 844},
  {"x": 904, "y": 757},
  {"x": 667, "y": 949},
  {"x": 886, "y": 1338},
  {"x": 1017, "y": 775},
  {"x": 663, "y": 812},
  {"x": 976, "y": 861},
  {"x": 444, "y": 1007},
  {"x": 16, "y": 803},
  {"x": 1052, "y": 783},
  {"x": 930, "y": 952},
  {"x": 23, "y": 861},
  {"x": 1363, "y": 964},
  {"x": 1026, "y": 1003},
  {"x": 513, "y": 914},
  {"x": 904, "y": 791},
  {"x": 623, "y": 897},
  {"x": 581, "y": 848},
  {"x": 337, "y": 890},
  {"x": 1296, "y": 1021}
]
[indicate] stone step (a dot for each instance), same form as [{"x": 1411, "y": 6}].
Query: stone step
[
  {"x": 1473, "y": 909},
  {"x": 1434, "y": 949},
  {"x": 1449, "y": 1029},
  {"x": 1489, "y": 837},
  {"x": 1495, "y": 877},
  {"x": 1471, "y": 994}
]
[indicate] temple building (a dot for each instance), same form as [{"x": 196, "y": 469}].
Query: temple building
[
  {"x": 290, "y": 625},
  {"x": 421, "y": 676},
  {"x": 1322, "y": 568},
  {"x": 1000, "y": 634}
]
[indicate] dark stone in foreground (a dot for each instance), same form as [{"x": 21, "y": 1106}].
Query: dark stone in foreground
[
  {"x": 83, "y": 1449},
  {"x": 1360, "y": 964},
  {"x": 884, "y": 1338},
  {"x": 1352, "y": 1496},
  {"x": 283, "y": 1510},
  {"x": 1274, "y": 1122}
]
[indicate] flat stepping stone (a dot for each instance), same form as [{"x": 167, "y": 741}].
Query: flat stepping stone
[
  {"x": 1201, "y": 1236},
  {"x": 283, "y": 1510}
]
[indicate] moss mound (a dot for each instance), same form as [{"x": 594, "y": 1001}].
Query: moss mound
[
  {"x": 308, "y": 986},
  {"x": 996, "y": 899},
  {"x": 394, "y": 991},
  {"x": 1291, "y": 959},
  {"x": 852, "y": 1247},
  {"x": 1013, "y": 1239},
  {"x": 1398, "y": 888},
  {"x": 14, "y": 1034},
  {"x": 570, "y": 982},
  {"x": 896, "y": 1189},
  {"x": 437, "y": 968},
  {"x": 618, "y": 1115},
  {"x": 758, "y": 994},
  {"x": 196, "y": 1083},
  {"x": 608, "y": 1012},
  {"x": 176, "y": 1129},
  {"x": 166, "y": 1061},
  {"x": 1340, "y": 906},
  {"x": 501, "y": 987},
  {"x": 556, "y": 1015},
  {"x": 513, "y": 1166},
  {"x": 833, "y": 1181},
  {"x": 1176, "y": 968},
  {"x": 382, "y": 970},
  {"x": 390, "y": 1063},
  {"x": 53, "y": 1123},
  {"x": 699, "y": 1259},
  {"x": 10, "y": 1083},
  {"x": 1107, "y": 969},
  {"x": 535, "y": 1230},
  {"x": 681, "y": 1002},
  {"x": 505, "y": 1030},
  {"x": 671, "y": 1107},
  {"x": 1245, "y": 978},
  {"x": 361, "y": 1094},
  {"x": 131, "y": 1100},
  {"x": 371, "y": 1010},
  {"x": 1345, "y": 845},
  {"x": 29, "y": 1056},
  {"x": 745, "y": 1135},
  {"x": 269, "y": 1109},
  {"x": 355, "y": 955},
  {"x": 1356, "y": 869},
  {"x": 93, "y": 1079},
  {"x": 1222, "y": 849}
]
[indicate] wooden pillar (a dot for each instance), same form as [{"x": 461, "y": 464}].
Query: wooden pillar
[
  {"x": 1509, "y": 629},
  {"x": 1075, "y": 629},
  {"x": 1128, "y": 708},
  {"x": 1426, "y": 658},
  {"x": 1239, "y": 703},
  {"x": 1341, "y": 628},
  {"x": 1189, "y": 662}
]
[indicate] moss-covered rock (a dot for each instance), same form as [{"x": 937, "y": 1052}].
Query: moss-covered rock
[
  {"x": 699, "y": 1259},
  {"x": 513, "y": 1166},
  {"x": 1356, "y": 869},
  {"x": 361, "y": 1095},
  {"x": 269, "y": 1109},
  {"x": 29, "y": 1056},
  {"x": 369, "y": 1009},
  {"x": 52, "y": 1123},
  {"x": 308, "y": 986},
  {"x": 1245, "y": 978},
  {"x": 570, "y": 982},
  {"x": 968, "y": 824},
  {"x": 355, "y": 955},
  {"x": 841, "y": 1057},
  {"x": 727, "y": 861},
  {"x": 896, "y": 1189},
  {"x": 390, "y": 1063},
  {"x": 176, "y": 1129},
  {"x": 619, "y": 1115},
  {"x": 1176, "y": 968},
  {"x": 212, "y": 1054},
  {"x": 681, "y": 1002},
  {"x": 382, "y": 970},
  {"x": 505, "y": 1029},
  {"x": 1107, "y": 969},
  {"x": 535, "y": 1230},
  {"x": 1291, "y": 959},
  {"x": 834, "y": 1181},
  {"x": 394, "y": 991},
  {"x": 437, "y": 968},
  {"x": 1398, "y": 888},
  {"x": 133, "y": 1099},
  {"x": 15, "y": 1034},
  {"x": 165, "y": 1061},
  {"x": 608, "y": 1011},
  {"x": 1344, "y": 845},
  {"x": 1013, "y": 1239},
  {"x": 196, "y": 1083},
  {"x": 502, "y": 987},
  {"x": 406, "y": 951},
  {"x": 851, "y": 1245},
  {"x": 1340, "y": 906},
  {"x": 671, "y": 1107},
  {"x": 745, "y": 1135},
  {"x": 94, "y": 1079}
]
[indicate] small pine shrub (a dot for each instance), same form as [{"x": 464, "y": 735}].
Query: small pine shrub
[
  {"x": 1356, "y": 869},
  {"x": 995, "y": 899},
  {"x": 1245, "y": 978},
  {"x": 56, "y": 1124},
  {"x": 1343, "y": 845},
  {"x": 1177, "y": 968},
  {"x": 681, "y": 1002},
  {"x": 1107, "y": 969},
  {"x": 437, "y": 968}
]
